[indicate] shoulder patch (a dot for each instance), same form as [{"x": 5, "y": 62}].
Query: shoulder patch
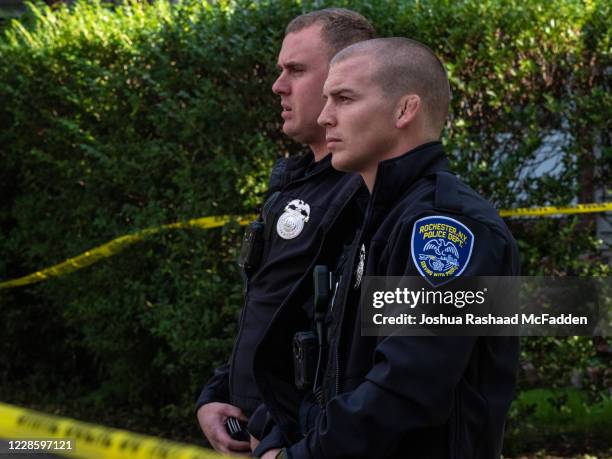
[{"x": 441, "y": 248}]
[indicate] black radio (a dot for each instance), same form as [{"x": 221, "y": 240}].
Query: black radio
[
  {"x": 309, "y": 347},
  {"x": 305, "y": 347},
  {"x": 252, "y": 246}
]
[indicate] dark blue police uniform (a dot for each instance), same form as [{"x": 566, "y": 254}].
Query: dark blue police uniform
[
  {"x": 398, "y": 397},
  {"x": 305, "y": 199}
]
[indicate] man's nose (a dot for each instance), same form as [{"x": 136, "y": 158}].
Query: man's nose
[
  {"x": 280, "y": 86},
  {"x": 326, "y": 117}
]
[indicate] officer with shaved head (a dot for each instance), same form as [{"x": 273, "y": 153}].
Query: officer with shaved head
[{"x": 447, "y": 397}]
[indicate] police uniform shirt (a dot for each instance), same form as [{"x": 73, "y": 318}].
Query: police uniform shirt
[
  {"x": 296, "y": 218},
  {"x": 425, "y": 397}
]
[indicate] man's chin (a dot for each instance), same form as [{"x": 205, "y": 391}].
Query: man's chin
[
  {"x": 294, "y": 134},
  {"x": 287, "y": 129},
  {"x": 339, "y": 163}
]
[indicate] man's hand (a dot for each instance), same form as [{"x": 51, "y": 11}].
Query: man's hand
[
  {"x": 211, "y": 418},
  {"x": 271, "y": 453}
]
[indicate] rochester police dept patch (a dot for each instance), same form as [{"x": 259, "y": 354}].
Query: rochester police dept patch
[{"x": 441, "y": 248}]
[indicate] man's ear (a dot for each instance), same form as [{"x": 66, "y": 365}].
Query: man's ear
[{"x": 407, "y": 108}]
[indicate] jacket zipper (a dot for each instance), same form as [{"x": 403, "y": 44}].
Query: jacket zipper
[
  {"x": 333, "y": 300},
  {"x": 337, "y": 371},
  {"x": 346, "y": 293}
]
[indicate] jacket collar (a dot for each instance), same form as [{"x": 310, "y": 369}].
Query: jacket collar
[
  {"x": 396, "y": 175},
  {"x": 305, "y": 165}
]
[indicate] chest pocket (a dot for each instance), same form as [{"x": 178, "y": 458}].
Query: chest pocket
[
  {"x": 291, "y": 233},
  {"x": 293, "y": 219},
  {"x": 292, "y": 239}
]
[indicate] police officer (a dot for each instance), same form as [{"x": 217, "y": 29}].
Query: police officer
[
  {"x": 403, "y": 396},
  {"x": 305, "y": 196}
]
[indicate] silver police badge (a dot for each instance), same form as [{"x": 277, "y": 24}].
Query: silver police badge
[
  {"x": 360, "y": 266},
  {"x": 291, "y": 223}
]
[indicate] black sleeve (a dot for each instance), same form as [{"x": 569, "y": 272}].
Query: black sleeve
[
  {"x": 258, "y": 422},
  {"x": 272, "y": 440},
  {"x": 216, "y": 389}
]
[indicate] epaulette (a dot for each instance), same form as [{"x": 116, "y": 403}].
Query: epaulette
[
  {"x": 275, "y": 183},
  {"x": 447, "y": 193}
]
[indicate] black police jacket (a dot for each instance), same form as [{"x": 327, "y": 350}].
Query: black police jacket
[
  {"x": 421, "y": 397},
  {"x": 300, "y": 189}
]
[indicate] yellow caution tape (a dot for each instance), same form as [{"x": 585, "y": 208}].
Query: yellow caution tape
[
  {"x": 115, "y": 246},
  {"x": 89, "y": 440},
  {"x": 554, "y": 210}
]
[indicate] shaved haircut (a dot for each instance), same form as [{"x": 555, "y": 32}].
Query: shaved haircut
[
  {"x": 406, "y": 66},
  {"x": 339, "y": 27}
]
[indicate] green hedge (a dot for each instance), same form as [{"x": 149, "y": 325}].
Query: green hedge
[
  {"x": 568, "y": 416},
  {"x": 115, "y": 120}
]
